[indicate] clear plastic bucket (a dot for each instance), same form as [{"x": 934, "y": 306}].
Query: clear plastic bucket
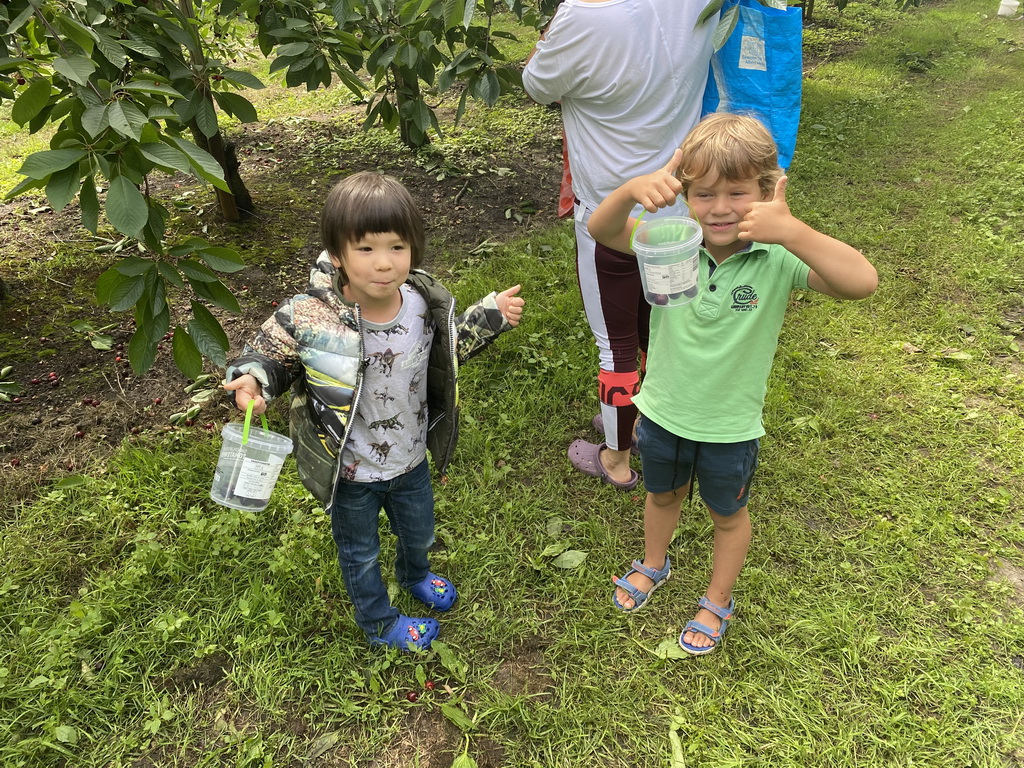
[
  {"x": 249, "y": 464},
  {"x": 666, "y": 249},
  {"x": 1008, "y": 7}
]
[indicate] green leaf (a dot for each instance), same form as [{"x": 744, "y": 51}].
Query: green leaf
[
  {"x": 448, "y": 659},
  {"x": 552, "y": 550},
  {"x": 710, "y": 10},
  {"x": 118, "y": 120},
  {"x": 458, "y": 717},
  {"x": 294, "y": 49},
  {"x": 24, "y": 186},
  {"x": 222, "y": 259},
  {"x": 669, "y": 649},
  {"x": 66, "y": 734},
  {"x": 147, "y": 86},
  {"x": 186, "y": 355},
  {"x": 571, "y": 559},
  {"x": 195, "y": 271},
  {"x": 90, "y": 204},
  {"x": 126, "y": 207},
  {"x": 208, "y": 334},
  {"x": 486, "y": 87},
  {"x": 94, "y": 120},
  {"x": 141, "y": 351},
  {"x": 165, "y": 156},
  {"x": 242, "y": 79},
  {"x": 75, "y": 68},
  {"x": 127, "y": 293},
  {"x": 464, "y": 761},
  {"x": 202, "y": 162},
  {"x": 133, "y": 266},
  {"x": 83, "y": 36},
  {"x": 206, "y": 118},
  {"x": 62, "y": 187},
  {"x": 111, "y": 49},
  {"x": 236, "y": 106},
  {"x": 135, "y": 118},
  {"x": 31, "y": 101},
  {"x": 74, "y": 481},
  {"x": 170, "y": 274},
  {"x": 725, "y": 27},
  {"x": 107, "y": 283},
  {"x": 39, "y": 165},
  {"x": 217, "y": 294}
]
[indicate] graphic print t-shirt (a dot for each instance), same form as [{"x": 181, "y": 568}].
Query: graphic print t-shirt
[{"x": 389, "y": 430}]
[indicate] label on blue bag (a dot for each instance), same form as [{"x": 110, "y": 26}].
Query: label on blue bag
[{"x": 752, "y": 53}]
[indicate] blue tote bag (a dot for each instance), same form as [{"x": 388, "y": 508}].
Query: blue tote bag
[{"x": 757, "y": 68}]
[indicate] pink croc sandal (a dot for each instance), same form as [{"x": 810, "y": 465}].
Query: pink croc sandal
[{"x": 586, "y": 458}]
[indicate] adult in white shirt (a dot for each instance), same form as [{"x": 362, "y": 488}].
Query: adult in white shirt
[{"x": 630, "y": 77}]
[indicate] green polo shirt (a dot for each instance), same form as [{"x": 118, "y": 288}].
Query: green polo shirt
[{"x": 708, "y": 361}]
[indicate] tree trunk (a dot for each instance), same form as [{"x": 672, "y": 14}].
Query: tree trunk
[
  {"x": 237, "y": 203},
  {"x": 408, "y": 91}
]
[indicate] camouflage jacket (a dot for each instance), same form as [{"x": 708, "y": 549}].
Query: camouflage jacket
[{"x": 313, "y": 344}]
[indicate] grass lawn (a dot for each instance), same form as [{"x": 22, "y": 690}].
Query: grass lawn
[{"x": 880, "y": 617}]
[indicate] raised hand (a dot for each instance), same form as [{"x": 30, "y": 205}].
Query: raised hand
[
  {"x": 769, "y": 221},
  {"x": 659, "y": 189},
  {"x": 511, "y": 306}
]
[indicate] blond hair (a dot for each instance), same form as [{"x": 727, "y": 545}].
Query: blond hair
[
  {"x": 732, "y": 147},
  {"x": 370, "y": 202}
]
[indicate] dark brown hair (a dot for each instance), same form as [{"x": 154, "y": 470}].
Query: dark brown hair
[{"x": 370, "y": 202}]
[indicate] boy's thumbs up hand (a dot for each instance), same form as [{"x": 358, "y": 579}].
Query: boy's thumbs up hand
[
  {"x": 511, "y": 306},
  {"x": 769, "y": 221},
  {"x": 659, "y": 189}
]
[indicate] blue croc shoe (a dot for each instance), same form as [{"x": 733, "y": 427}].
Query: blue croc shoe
[
  {"x": 435, "y": 592},
  {"x": 409, "y": 634},
  {"x": 640, "y": 597},
  {"x": 715, "y": 635}
]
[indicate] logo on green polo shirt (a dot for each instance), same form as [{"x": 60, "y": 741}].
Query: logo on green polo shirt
[{"x": 744, "y": 299}]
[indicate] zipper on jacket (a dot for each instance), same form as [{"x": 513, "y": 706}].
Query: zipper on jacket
[{"x": 358, "y": 390}]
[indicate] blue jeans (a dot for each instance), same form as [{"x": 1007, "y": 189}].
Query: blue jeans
[{"x": 408, "y": 501}]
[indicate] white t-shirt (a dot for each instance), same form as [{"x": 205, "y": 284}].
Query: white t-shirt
[{"x": 630, "y": 75}]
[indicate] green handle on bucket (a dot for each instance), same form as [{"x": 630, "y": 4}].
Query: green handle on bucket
[
  {"x": 248, "y": 419},
  {"x": 632, "y": 233}
]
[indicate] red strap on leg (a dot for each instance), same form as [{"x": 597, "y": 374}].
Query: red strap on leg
[{"x": 618, "y": 389}]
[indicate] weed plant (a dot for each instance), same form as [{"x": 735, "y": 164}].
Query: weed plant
[{"x": 880, "y": 612}]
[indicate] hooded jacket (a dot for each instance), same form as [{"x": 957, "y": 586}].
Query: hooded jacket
[{"x": 313, "y": 344}]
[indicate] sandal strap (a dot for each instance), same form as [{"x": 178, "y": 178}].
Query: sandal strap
[
  {"x": 652, "y": 573},
  {"x": 704, "y": 629},
  {"x": 723, "y": 613},
  {"x": 632, "y": 590}
]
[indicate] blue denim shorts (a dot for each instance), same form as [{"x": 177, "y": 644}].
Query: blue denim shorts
[{"x": 724, "y": 471}]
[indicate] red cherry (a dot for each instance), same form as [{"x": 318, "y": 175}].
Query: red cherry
[
  {"x": 117, "y": 359},
  {"x": 135, "y": 430},
  {"x": 79, "y": 434},
  {"x": 429, "y": 685},
  {"x": 412, "y": 696},
  {"x": 157, "y": 400},
  {"x": 35, "y": 381},
  {"x": 15, "y": 462},
  {"x": 273, "y": 303}
]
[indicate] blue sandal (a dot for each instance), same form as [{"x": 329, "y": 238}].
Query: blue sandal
[
  {"x": 435, "y": 592},
  {"x": 409, "y": 634},
  {"x": 714, "y": 635},
  {"x": 638, "y": 596}
]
